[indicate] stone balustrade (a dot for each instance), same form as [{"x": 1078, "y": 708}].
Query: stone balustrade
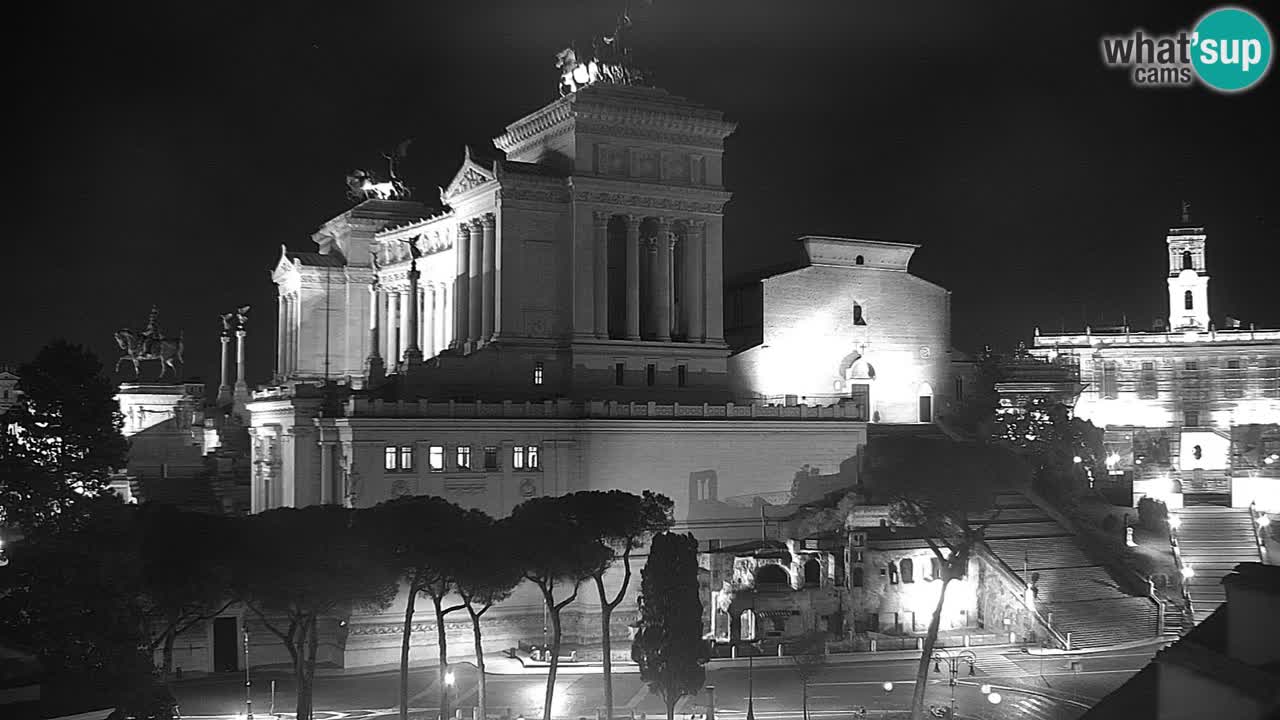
[{"x": 594, "y": 409}]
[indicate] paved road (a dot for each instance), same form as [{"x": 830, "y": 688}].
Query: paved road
[{"x": 1045, "y": 688}]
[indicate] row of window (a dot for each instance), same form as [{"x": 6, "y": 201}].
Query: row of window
[
  {"x": 620, "y": 374},
  {"x": 400, "y": 458},
  {"x": 903, "y": 571}
]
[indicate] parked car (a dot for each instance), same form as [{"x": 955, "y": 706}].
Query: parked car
[{"x": 153, "y": 702}]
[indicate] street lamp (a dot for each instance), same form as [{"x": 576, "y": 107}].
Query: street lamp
[
  {"x": 711, "y": 702},
  {"x": 248, "y": 684},
  {"x": 953, "y": 660},
  {"x": 448, "y": 678}
]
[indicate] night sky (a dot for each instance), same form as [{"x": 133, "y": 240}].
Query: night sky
[{"x": 165, "y": 151}]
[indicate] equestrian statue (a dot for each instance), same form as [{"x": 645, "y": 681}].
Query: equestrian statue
[{"x": 149, "y": 344}]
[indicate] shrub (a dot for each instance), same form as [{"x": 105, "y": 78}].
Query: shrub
[{"x": 1152, "y": 513}]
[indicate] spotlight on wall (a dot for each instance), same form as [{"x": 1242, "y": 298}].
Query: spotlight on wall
[{"x": 1175, "y": 522}]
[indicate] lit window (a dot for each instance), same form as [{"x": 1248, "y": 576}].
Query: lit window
[
  {"x": 491, "y": 458},
  {"x": 464, "y": 457},
  {"x": 650, "y": 373},
  {"x": 517, "y": 457},
  {"x": 524, "y": 457},
  {"x": 435, "y": 458},
  {"x": 682, "y": 375},
  {"x": 406, "y": 457},
  {"x": 531, "y": 454},
  {"x": 537, "y": 373},
  {"x": 389, "y": 458}
]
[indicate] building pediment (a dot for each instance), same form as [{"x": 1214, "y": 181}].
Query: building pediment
[
  {"x": 469, "y": 177},
  {"x": 284, "y": 268}
]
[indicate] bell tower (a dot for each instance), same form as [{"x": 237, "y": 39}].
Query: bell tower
[{"x": 1188, "y": 276}]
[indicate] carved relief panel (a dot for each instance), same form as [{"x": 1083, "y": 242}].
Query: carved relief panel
[
  {"x": 675, "y": 167},
  {"x": 611, "y": 160},
  {"x": 644, "y": 164}
]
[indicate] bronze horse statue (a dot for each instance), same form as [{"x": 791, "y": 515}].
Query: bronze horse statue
[{"x": 138, "y": 348}]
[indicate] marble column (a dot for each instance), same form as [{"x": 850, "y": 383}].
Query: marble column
[
  {"x": 715, "y": 281},
  {"x": 393, "y": 326},
  {"x": 224, "y": 387},
  {"x": 242, "y": 387},
  {"x": 662, "y": 282},
  {"x": 412, "y": 351},
  {"x": 326, "y": 473},
  {"x": 374, "y": 369},
  {"x": 445, "y": 318},
  {"x": 461, "y": 287},
  {"x": 600, "y": 225},
  {"x": 404, "y": 307},
  {"x": 694, "y": 297},
  {"x": 475, "y": 285},
  {"x": 282, "y": 330},
  {"x": 429, "y": 320},
  {"x": 489, "y": 271},
  {"x": 294, "y": 326},
  {"x": 633, "y": 277}
]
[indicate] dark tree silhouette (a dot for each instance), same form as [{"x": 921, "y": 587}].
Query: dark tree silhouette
[
  {"x": 63, "y": 439},
  {"x": 489, "y": 578},
  {"x": 622, "y": 522},
  {"x": 554, "y": 551},
  {"x": 668, "y": 645},
  {"x": 306, "y": 564}
]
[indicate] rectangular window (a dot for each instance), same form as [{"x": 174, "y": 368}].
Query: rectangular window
[
  {"x": 1109, "y": 389},
  {"x": 531, "y": 455},
  {"x": 1147, "y": 387},
  {"x": 464, "y": 457},
  {"x": 650, "y": 373},
  {"x": 517, "y": 457},
  {"x": 619, "y": 373},
  {"x": 537, "y": 373},
  {"x": 1191, "y": 419},
  {"x": 1191, "y": 365},
  {"x": 435, "y": 458},
  {"x": 389, "y": 458},
  {"x": 406, "y": 457},
  {"x": 1233, "y": 364},
  {"x": 491, "y": 458},
  {"x": 682, "y": 375},
  {"x": 959, "y": 389}
]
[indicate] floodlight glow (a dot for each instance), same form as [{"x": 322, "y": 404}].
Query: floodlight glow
[
  {"x": 1188, "y": 572},
  {"x": 448, "y": 678},
  {"x": 1113, "y": 459},
  {"x": 994, "y": 698},
  {"x": 985, "y": 689},
  {"x": 1263, "y": 521},
  {"x": 1175, "y": 522},
  {"x": 1077, "y": 459},
  {"x": 888, "y": 686}
]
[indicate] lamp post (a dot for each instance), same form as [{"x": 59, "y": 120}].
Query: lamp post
[
  {"x": 248, "y": 684},
  {"x": 711, "y": 702},
  {"x": 953, "y": 660}
]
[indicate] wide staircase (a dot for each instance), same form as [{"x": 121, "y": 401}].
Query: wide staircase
[
  {"x": 1075, "y": 594},
  {"x": 1212, "y": 540}
]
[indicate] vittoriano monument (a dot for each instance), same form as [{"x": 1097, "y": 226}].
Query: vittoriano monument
[{"x": 150, "y": 344}]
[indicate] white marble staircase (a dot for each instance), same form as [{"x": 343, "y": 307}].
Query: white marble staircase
[{"x": 1212, "y": 540}]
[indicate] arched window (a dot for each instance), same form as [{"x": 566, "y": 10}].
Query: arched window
[
  {"x": 935, "y": 569},
  {"x": 859, "y": 261},
  {"x": 812, "y": 572},
  {"x": 747, "y": 631},
  {"x": 1187, "y": 301},
  {"x": 857, "y": 315},
  {"x": 908, "y": 570},
  {"x": 857, "y": 577},
  {"x": 771, "y": 575},
  {"x": 1187, "y": 262}
]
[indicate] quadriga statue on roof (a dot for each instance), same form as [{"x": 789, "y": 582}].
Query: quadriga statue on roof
[{"x": 149, "y": 344}]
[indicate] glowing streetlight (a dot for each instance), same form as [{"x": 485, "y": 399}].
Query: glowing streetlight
[
  {"x": 1077, "y": 459},
  {"x": 1175, "y": 522},
  {"x": 887, "y": 686},
  {"x": 985, "y": 689},
  {"x": 1113, "y": 459},
  {"x": 448, "y": 678},
  {"x": 1263, "y": 521},
  {"x": 994, "y": 698},
  {"x": 1188, "y": 572}
]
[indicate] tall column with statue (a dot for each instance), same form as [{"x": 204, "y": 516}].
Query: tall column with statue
[
  {"x": 224, "y": 386},
  {"x": 412, "y": 352},
  {"x": 241, "y": 395}
]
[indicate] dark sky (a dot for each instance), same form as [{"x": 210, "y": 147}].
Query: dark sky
[{"x": 166, "y": 150}]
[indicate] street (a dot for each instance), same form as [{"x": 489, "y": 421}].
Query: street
[{"x": 1043, "y": 688}]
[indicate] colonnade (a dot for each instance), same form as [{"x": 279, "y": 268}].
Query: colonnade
[{"x": 667, "y": 291}]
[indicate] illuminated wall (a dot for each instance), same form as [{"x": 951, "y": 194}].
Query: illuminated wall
[{"x": 853, "y": 325}]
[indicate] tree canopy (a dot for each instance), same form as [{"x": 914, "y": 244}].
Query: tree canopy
[{"x": 668, "y": 645}]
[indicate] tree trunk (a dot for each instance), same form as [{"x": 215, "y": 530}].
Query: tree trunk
[
  {"x": 926, "y": 653},
  {"x": 443, "y": 646},
  {"x": 481, "y": 709},
  {"x": 606, "y": 647},
  {"x": 554, "y": 612},
  {"x": 166, "y": 663},
  {"x": 301, "y": 675},
  {"x": 671, "y": 709},
  {"x": 404, "y": 652}
]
